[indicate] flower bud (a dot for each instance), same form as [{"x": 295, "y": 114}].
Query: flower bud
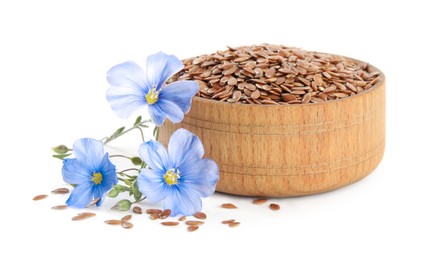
[
  {"x": 60, "y": 149},
  {"x": 136, "y": 160},
  {"x": 113, "y": 193},
  {"x": 122, "y": 205}
]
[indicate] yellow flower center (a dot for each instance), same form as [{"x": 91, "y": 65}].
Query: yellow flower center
[
  {"x": 97, "y": 178},
  {"x": 171, "y": 177},
  {"x": 152, "y": 96}
]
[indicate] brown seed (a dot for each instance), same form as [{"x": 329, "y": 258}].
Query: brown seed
[
  {"x": 60, "y": 207},
  {"x": 234, "y": 224},
  {"x": 113, "y": 222},
  {"x": 165, "y": 214},
  {"x": 194, "y": 222},
  {"x": 192, "y": 228},
  {"x": 137, "y": 210},
  {"x": 289, "y": 97},
  {"x": 260, "y": 201},
  {"x": 200, "y": 215},
  {"x": 126, "y": 218},
  {"x": 170, "y": 223},
  {"x": 40, "y": 197},
  {"x": 93, "y": 202},
  {"x": 228, "y": 206},
  {"x": 154, "y": 216},
  {"x": 274, "y": 206},
  {"x": 60, "y": 191},
  {"x": 306, "y": 98},
  {"x": 87, "y": 214},
  {"x": 255, "y": 94},
  {"x": 127, "y": 225},
  {"x": 228, "y": 221},
  {"x": 153, "y": 211},
  {"x": 83, "y": 215},
  {"x": 181, "y": 218}
]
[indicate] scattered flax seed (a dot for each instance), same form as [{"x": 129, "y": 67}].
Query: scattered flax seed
[
  {"x": 194, "y": 222},
  {"x": 170, "y": 223},
  {"x": 153, "y": 211},
  {"x": 260, "y": 201},
  {"x": 40, "y": 197},
  {"x": 113, "y": 222},
  {"x": 200, "y": 215},
  {"x": 127, "y": 225},
  {"x": 234, "y": 224},
  {"x": 60, "y": 191},
  {"x": 126, "y": 218},
  {"x": 83, "y": 215},
  {"x": 93, "y": 202},
  {"x": 183, "y": 218},
  {"x": 58, "y": 207},
  {"x": 137, "y": 210},
  {"x": 228, "y": 206},
  {"x": 192, "y": 228},
  {"x": 228, "y": 221},
  {"x": 274, "y": 206},
  {"x": 165, "y": 214},
  {"x": 154, "y": 216}
]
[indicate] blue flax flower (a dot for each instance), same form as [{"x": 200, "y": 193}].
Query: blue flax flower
[
  {"x": 180, "y": 177},
  {"x": 132, "y": 88},
  {"x": 91, "y": 171}
]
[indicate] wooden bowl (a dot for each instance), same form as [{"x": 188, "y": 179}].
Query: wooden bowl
[{"x": 293, "y": 150}]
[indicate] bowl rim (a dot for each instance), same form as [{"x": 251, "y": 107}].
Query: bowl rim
[{"x": 378, "y": 84}]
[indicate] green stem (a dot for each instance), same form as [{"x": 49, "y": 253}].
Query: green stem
[
  {"x": 120, "y": 155},
  {"x": 156, "y": 133},
  {"x": 106, "y": 140},
  {"x": 139, "y": 200}
]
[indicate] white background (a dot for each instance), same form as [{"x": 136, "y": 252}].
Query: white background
[{"x": 53, "y": 60}]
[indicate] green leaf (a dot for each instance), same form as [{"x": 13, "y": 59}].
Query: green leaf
[
  {"x": 61, "y": 156},
  {"x": 113, "y": 193},
  {"x": 127, "y": 182},
  {"x": 119, "y": 131},
  {"x": 121, "y": 188},
  {"x": 122, "y": 205},
  {"x": 137, "y": 121},
  {"x": 136, "y": 160}
]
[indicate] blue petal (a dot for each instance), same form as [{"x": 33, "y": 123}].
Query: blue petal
[
  {"x": 182, "y": 200},
  {"x": 155, "y": 155},
  {"x": 100, "y": 192},
  {"x": 180, "y": 93},
  {"x": 165, "y": 108},
  {"x": 108, "y": 171},
  {"x": 124, "y": 100},
  {"x": 74, "y": 172},
  {"x": 81, "y": 196},
  {"x": 160, "y": 67},
  {"x": 89, "y": 152},
  {"x": 184, "y": 148},
  {"x": 127, "y": 74},
  {"x": 151, "y": 183},
  {"x": 201, "y": 176}
]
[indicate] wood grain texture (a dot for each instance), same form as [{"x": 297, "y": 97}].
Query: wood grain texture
[{"x": 293, "y": 150}]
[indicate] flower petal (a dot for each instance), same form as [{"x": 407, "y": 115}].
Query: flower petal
[
  {"x": 155, "y": 155},
  {"x": 100, "y": 192},
  {"x": 124, "y": 100},
  {"x": 165, "y": 108},
  {"x": 74, "y": 172},
  {"x": 151, "y": 183},
  {"x": 184, "y": 148},
  {"x": 180, "y": 93},
  {"x": 127, "y": 74},
  {"x": 89, "y": 152},
  {"x": 160, "y": 67},
  {"x": 108, "y": 171},
  {"x": 202, "y": 176},
  {"x": 182, "y": 200},
  {"x": 81, "y": 196}
]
